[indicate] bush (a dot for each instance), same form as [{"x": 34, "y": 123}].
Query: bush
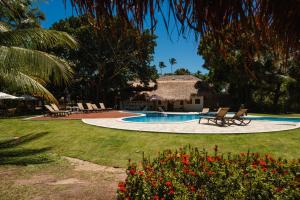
[{"x": 189, "y": 173}]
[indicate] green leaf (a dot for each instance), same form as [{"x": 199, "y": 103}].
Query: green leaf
[{"x": 36, "y": 38}]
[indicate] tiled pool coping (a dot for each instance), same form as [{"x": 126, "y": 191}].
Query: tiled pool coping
[{"x": 193, "y": 126}]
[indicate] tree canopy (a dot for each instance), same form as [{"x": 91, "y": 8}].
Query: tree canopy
[
  {"x": 182, "y": 71},
  {"x": 262, "y": 81},
  {"x": 107, "y": 58},
  {"x": 267, "y": 19},
  {"x": 24, "y": 66}
]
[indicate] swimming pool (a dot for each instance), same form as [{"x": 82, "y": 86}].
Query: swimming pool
[{"x": 155, "y": 117}]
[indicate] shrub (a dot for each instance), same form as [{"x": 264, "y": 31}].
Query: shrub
[{"x": 189, "y": 173}]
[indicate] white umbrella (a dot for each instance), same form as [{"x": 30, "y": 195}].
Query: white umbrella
[
  {"x": 155, "y": 98},
  {"x": 8, "y": 96},
  {"x": 27, "y": 97}
]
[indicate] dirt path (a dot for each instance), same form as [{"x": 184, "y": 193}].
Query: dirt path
[{"x": 75, "y": 179}]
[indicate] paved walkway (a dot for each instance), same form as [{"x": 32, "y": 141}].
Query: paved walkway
[{"x": 193, "y": 126}]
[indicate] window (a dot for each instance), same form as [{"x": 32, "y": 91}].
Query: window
[
  {"x": 189, "y": 101},
  {"x": 181, "y": 103},
  {"x": 197, "y": 101},
  {"x": 159, "y": 102}
]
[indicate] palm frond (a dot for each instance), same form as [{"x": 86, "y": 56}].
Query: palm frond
[
  {"x": 36, "y": 63},
  {"x": 4, "y": 27},
  {"x": 36, "y": 38},
  {"x": 27, "y": 84}
]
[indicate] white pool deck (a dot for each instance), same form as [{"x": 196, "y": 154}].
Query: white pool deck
[{"x": 193, "y": 126}]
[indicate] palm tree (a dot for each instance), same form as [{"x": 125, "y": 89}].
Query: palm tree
[
  {"x": 172, "y": 62},
  {"x": 161, "y": 66},
  {"x": 23, "y": 66}
]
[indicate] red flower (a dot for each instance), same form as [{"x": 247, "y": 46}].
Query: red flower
[
  {"x": 242, "y": 154},
  {"x": 265, "y": 169},
  {"x": 254, "y": 166},
  {"x": 171, "y": 192},
  {"x": 132, "y": 171},
  {"x": 285, "y": 172},
  {"x": 274, "y": 171},
  {"x": 210, "y": 159},
  {"x": 141, "y": 173},
  {"x": 192, "y": 173},
  {"x": 185, "y": 159},
  {"x": 210, "y": 172},
  {"x": 168, "y": 184},
  {"x": 262, "y": 163},
  {"x": 121, "y": 187},
  {"x": 193, "y": 189},
  {"x": 279, "y": 189},
  {"x": 186, "y": 170},
  {"x": 217, "y": 158},
  {"x": 156, "y": 197}
]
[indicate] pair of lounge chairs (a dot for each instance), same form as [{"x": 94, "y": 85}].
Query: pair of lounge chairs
[
  {"x": 54, "y": 111},
  {"x": 220, "y": 118},
  {"x": 92, "y": 107}
]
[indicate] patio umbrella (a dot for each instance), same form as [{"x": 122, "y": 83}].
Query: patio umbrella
[
  {"x": 8, "y": 96},
  {"x": 27, "y": 97}
]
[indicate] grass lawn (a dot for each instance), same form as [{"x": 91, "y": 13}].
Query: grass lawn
[
  {"x": 112, "y": 147},
  {"x": 276, "y": 115}
]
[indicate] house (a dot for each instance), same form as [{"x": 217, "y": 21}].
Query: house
[{"x": 171, "y": 92}]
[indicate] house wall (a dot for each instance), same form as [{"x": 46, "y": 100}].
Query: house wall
[
  {"x": 188, "y": 106},
  {"x": 193, "y": 107}
]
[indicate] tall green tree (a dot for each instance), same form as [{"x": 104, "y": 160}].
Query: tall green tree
[
  {"x": 24, "y": 66},
  {"x": 108, "y": 58},
  {"x": 161, "y": 65},
  {"x": 258, "y": 80},
  {"x": 172, "y": 62}
]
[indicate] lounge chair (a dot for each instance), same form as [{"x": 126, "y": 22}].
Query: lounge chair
[
  {"x": 161, "y": 109},
  {"x": 238, "y": 118},
  {"x": 94, "y": 106},
  {"x": 102, "y": 106},
  {"x": 55, "y": 108},
  {"x": 204, "y": 111},
  {"x": 53, "y": 112},
  {"x": 90, "y": 107},
  {"x": 218, "y": 118},
  {"x": 81, "y": 108}
]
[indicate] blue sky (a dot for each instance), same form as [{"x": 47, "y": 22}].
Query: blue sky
[{"x": 184, "y": 50}]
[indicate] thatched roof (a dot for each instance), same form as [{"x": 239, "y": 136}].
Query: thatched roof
[
  {"x": 137, "y": 83},
  {"x": 176, "y": 87}
]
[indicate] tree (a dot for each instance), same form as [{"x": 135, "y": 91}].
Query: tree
[
  {"x": 172, "y": 62},
  {"x": 112, "y": 57},
  {"x": 267, "y": 19},
  {"x": 259, "y": 80},
  {"x": 182, "y": 71},
  {"x": 23, "y": 64},
  {"x": 201, "y": 76},
  {"x": 161, "y": 65}
]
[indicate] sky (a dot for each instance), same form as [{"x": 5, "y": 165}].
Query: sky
[{"x": 183, "y": 50}]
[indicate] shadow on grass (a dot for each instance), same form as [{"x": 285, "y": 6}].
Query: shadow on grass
[{"x": 11, "y": 151}]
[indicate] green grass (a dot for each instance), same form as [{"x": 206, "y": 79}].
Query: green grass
[{"x": 114, "y": 147}]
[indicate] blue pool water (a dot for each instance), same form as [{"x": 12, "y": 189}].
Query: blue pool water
[{"x": 161, "y": 117}]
